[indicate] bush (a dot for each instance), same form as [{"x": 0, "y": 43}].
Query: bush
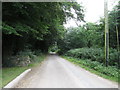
[
  {"x": 28, "y": 53},
  {"x": 23, "y": 58},
  {"x": 94, "y": 54},
  {"x": 97, "y": 66},
  {"x": 37, "y": 52},
  {"x": 18, "y": 61},
  {"x": 114, "y": 57}
]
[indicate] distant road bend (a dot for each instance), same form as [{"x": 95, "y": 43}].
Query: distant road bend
[{"x": 56, "y": 72}]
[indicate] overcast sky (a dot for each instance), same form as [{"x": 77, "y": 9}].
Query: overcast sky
[{"x": 94, "y": 9}]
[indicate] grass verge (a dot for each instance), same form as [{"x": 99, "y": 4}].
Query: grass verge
[
  {"x": 83, "y": 64},
  {"x": 8, "y": 74}
]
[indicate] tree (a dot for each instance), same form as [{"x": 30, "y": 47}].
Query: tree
[{"x": 35, "y": 25}]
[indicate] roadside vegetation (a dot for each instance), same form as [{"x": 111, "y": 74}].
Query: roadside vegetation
[
  {"x": 31, "y": 29},
  {"x": 11, "y": 72},
  {"x": 85, "y": 46},
  {"x": 110, "y": 72},
  {"x": 8, "y": 74},
  {"x": 29, "y": 26},
  {"x": 95, "y": 54}
]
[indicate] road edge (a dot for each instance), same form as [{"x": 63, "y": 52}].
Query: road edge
[{"x": 15, "y": 81}]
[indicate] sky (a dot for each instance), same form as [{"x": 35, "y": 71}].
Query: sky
[{"x": 94, "y": 9}]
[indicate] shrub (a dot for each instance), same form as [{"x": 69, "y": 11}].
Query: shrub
[
  {"x": 37, "y": 52},
  {"x": 23, "y": 58},
  {"x": 97, "y": 66},
  {"x": 94, "y": 54},
  {"x": 29, "y": 53},
  {"x": 18, "y": 61}
]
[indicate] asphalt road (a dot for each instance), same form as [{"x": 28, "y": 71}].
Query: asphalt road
[{"x": 56, "y": 72}]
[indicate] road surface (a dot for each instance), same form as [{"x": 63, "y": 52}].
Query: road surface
[{"x": 56, "y": 72}]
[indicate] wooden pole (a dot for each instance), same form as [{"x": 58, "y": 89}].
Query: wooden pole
[{"x": 106, "y": 32}]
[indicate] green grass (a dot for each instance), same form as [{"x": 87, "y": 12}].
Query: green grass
[
  {"x": 80, "y": 63},
  {"x": 8, "y": 74}
]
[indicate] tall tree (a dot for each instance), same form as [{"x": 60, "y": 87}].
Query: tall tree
[{"x": 35, "y": 25}]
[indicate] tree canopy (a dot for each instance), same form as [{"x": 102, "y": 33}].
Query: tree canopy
[{"x": 35, "y": 25}]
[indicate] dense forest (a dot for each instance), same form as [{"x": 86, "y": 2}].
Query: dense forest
[
  {"x": 38, "y": 27},
  {"x": 34, "y": 27}
]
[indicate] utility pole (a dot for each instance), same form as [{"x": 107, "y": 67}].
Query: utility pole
[{"x": 106, "y": 32}]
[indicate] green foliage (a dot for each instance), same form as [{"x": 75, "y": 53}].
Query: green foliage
[
  {"x": 29, "y": 54},
  {"x": 110, "y": 71},
  {"x": 38, "y": 18},
  {"x": 54, "y": 48},
  {"x": 37, "y": 52},
  {"x": 92, "y": 34},
  {"x": 8, "y": 29},
  {"x": 75, "y": 37},
  {"x": 23, "y": 58},
  {"x": 94, "y": 54},
  {"x": 88, "y": 35},
  {"x": 35, "y": 25}
]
